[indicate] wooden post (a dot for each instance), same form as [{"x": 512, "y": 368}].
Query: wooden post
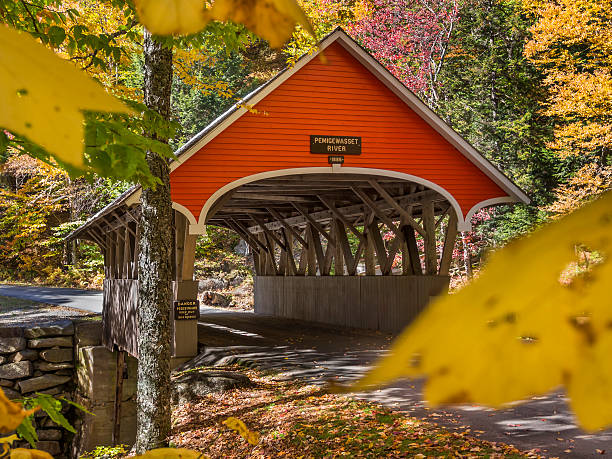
[
  {"x": 379, "y": 246},
  {"x": 107, "y": 257},
  {"x": 413, "y": 250},
  {"x": 370, "y": 263},
  {"x": 449, "y": 244},
  {"x": 264, "y": 264},
  {"x": 406, "y": 265},
  {"x": 303, "y": 256},
  {"x": 256, "y": 262},
  {"x": 343, "y": 251},
  {"x": 113, "y": 252},
  {"x": 119, "y": 243},
  {"x": 271, "y": 268},
  {"x": 338, "y": 257},
  {"x": 282, "y": 261},
  {"x": 318, "y": 248},
  {"x": 291, "y": 268},
  {"x": 185, "y": 332},
  {"x": 188, "y": 264},
  {"x": 429, "y": 224},
  {"x": 312, "y": 256}
]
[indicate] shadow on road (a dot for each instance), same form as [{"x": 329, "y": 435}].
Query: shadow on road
[{"x": 319, "y": 353}]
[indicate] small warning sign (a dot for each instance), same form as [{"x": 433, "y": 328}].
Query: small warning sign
[{"x": 186, "y": 309}]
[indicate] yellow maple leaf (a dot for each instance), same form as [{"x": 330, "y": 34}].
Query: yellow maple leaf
[
  {"x": 273, "y": 20},
  {"x": 23, "y": 453},
  {"x": 240, "y": 427},
  {"x": 172, "y": 17},
  {"x": 11, "y": 414},
  {"x": 173, "y": 453},
  {"x": 516, "y": 331},
  {"x": 43, "y": 96}
]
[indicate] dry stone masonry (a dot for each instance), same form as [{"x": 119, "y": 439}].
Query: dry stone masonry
[
  {"x": 66, "y": 359},
  {"x": 39, "y": 359}
]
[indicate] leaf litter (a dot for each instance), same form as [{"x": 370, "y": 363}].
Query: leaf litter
[{"x": 297, "y": 420}]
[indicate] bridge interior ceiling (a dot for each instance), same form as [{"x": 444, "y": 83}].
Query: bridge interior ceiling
[
  {"x": 340, "y": 224},
  {"x": 308, "y": 225}
]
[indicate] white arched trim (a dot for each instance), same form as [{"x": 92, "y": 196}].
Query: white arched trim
[
  {"x": 187, "y": 213},
  {"x": 200, "y": 228},
  {"x": 482, "y": 204}
]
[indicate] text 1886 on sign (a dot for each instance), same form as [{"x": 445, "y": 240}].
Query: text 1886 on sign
[
  {"x": 186, "y": 309},
  {"x": 335, "y": 145}
]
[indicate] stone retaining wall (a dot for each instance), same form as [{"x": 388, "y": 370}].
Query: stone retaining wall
[
  {"x": 40, "y": 359},
  {"x": 65, "y": 359}
]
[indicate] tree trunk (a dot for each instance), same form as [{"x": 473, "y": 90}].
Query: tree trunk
[{"x": 154, "y": 269}]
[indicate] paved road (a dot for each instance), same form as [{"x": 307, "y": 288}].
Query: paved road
[
  {"x": 318, "y": 354},
  {"x": 89, "y": 300}
]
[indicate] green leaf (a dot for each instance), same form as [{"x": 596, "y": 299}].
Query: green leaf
[
  {"x": 27, "y": 431},
  {"x": 76, "y": 405},
  {"x": 57, "y": 35},
  {"x": 4, "y": 143},
  {"x": 53, "y": 408}
]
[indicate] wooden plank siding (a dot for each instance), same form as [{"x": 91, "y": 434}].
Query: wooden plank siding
[
  {"x": 119, "y": 315},
  {"x": 341, "y": 97},
  {"x": 374, "y": 302}
]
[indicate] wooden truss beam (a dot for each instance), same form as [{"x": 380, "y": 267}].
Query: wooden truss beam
[
  {"x": 347, "y": 211},
  {"x": 280, "y": 219},
  {"x": 340, "y": 216},
  {"x": 393, "y": 203}
]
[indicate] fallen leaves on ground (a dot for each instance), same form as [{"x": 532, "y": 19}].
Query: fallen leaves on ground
[
  {"x": 172, "y": 453},
  {"x": 299, "y": 420}
]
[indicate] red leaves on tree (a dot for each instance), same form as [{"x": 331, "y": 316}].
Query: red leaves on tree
[{"x": 410, "y": 38}]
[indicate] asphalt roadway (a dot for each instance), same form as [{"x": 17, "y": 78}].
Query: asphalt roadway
[
  {"x": 317, "y": 354},
  {"x": 542, "y": 425},
  {"x": 89, "y": 300}
]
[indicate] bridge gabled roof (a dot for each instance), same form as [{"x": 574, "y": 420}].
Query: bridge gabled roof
[{"x": 349, "y": 94}]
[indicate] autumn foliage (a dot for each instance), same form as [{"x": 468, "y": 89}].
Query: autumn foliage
[{"x": 572, "y": 43}]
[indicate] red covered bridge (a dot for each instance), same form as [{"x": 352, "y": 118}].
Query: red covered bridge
[{"x": 337, "y": 154}]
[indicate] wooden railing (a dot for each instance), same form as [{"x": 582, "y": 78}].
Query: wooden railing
[{"x": 373, "y": 302}]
